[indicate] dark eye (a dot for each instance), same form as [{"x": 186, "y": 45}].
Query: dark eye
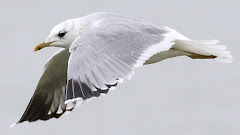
[{"x": 62, "y": 34}]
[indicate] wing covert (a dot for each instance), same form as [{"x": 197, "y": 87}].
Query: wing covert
[{"x": 109, "y": 54}]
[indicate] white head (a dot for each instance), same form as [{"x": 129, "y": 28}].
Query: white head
[{"x": 62, "y": 35}]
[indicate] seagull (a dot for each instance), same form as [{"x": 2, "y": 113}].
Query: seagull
[{"x": 100, "y": 50}]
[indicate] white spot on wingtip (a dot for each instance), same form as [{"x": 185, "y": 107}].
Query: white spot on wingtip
[
  {"x": 120, "y": 81},
  {"x": 113, "y": 88},
  {"x": 88, "y": 100},
  {"x": 13, "y": 125},
  {"x": 103, "y": 94},
  {"x": 67, "y": 112},
  {"x": 68, "y": 101},
  {"x": 79, "y": 101}
]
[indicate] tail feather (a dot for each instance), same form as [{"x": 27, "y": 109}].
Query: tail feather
[
  {"x": 204, "y": 49},
  {"x": 209, "y": 42}
]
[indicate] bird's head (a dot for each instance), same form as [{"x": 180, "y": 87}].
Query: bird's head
[{"x": 62, "y": 35}]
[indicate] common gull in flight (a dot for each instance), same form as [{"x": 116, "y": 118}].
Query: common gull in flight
[{"x": 99, "y": 51}]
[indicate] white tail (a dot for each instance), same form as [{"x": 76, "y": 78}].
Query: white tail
[{"x": 204, "y": 49}]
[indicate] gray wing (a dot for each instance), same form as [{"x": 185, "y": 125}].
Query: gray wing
[
  {"x": 109, "y": 54},
  {"x": 48, "y": 99}
]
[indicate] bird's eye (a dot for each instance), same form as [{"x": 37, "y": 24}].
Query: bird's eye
[{"x": 62, "y": 34}]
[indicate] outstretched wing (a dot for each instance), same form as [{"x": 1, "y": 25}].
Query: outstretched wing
[
  {"x": 109, "y": 54},
  {"x": 48, "y": 99}
]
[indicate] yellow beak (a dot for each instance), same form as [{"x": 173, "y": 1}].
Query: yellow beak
[{"x": 41, "y": 45}]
